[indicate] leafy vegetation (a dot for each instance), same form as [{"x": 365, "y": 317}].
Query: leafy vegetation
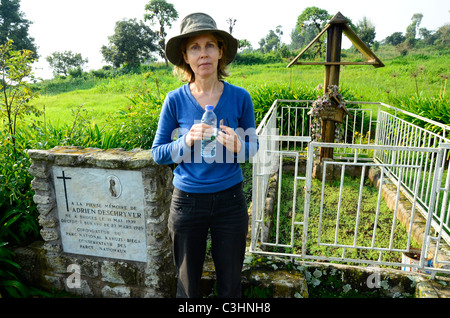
[
  {"x": 131, "y": 44},
  {"x": 66, "y": 63},
  {"x": 14, "y": 26},
  {"x": 118, "y": 107},
  {"x": 328, "y": 220},
  {"x": 15, "y": 68}
]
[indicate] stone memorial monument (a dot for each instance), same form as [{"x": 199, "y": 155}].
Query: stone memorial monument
[{"x": 104, "y": 222}]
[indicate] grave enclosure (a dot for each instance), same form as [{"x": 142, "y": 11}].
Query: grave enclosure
[
  {"x": 104, "y": 223},
  {"x": 325, "y": 133}
]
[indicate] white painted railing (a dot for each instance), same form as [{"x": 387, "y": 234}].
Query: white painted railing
[{"x": 413, "y": 158}]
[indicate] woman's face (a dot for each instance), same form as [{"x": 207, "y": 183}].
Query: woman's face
[{"x": 203, "y": 55}]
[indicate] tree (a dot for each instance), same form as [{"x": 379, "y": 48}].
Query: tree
[
  {"x": 165, "y": 14},
  {"x": 297, "y": 40},
  {"x": 16, "y": 73},
  {"x": 443, "y": 36},
  {"x": 272, "y": 41},
  {"x": 64, "y": 62},
  {"x": 245, "y": 45},
  {"x": 424, "y": 33},
  {"x": 131, "y": 44},
  {"x": 316, "y": 18},
  {"x": 412, "y": 29},
  {"x": 231, "y": 22},
  {"x": 13, "y": 26},
  {"x": 366, "y": 31},
  {"x": 395, "y": 38}
]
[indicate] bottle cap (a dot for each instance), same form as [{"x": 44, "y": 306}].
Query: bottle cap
[{"x": 209, "y": 107}]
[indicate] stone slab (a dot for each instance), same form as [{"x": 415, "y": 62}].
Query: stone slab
[{"x": 101, "y": 212}]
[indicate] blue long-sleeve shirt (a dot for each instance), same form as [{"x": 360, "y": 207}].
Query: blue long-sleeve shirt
[{"x": 193, "y": 173}]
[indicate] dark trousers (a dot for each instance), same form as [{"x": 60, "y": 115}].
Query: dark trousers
[{"x": 224, "y": 215}]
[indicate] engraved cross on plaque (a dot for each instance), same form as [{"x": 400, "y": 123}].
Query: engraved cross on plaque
[{"x": 64, "y": 178}]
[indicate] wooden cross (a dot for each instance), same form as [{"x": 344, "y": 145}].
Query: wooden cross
[{"x": 335, "y": 27}]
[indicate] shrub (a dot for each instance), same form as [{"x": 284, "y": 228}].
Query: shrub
[
  {"x": 18, "y": 213},
  {"x": 263, "y": 96},
  {"x": 137, "y": 124},
  {"x": 257, "y": 58},
  {"x": 428, "y": 107},
  {"x": 10, "y": 284}
]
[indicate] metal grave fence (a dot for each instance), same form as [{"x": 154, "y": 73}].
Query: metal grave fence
[{"x": 291, "y": 218}]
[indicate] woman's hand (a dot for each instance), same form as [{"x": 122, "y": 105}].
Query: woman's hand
[
  {"x": 229, "y": 139},
  {"x": 198, "y": 132}
]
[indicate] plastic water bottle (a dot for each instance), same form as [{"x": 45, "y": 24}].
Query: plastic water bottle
[{"x": 209, "y": 145}]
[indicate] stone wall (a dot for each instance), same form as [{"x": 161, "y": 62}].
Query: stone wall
[{"x": 48, "y": 265}]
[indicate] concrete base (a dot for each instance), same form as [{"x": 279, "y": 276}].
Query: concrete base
[
  {"x": 97, "y": 277},
  {"x": 277, "y": 278}
]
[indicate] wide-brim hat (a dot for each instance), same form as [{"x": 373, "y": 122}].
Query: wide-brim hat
[{"x": 196, "y": 24}]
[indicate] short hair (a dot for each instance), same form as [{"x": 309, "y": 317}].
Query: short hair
[{"x": 184, "y": 71}]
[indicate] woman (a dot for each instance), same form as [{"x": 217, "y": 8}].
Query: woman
[{"x": 208, "y": 195}]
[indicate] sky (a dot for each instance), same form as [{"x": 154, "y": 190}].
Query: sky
[{"x": 83, "y": 26}]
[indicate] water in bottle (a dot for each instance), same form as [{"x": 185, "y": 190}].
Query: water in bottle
[{"x": 209, "y": 145}]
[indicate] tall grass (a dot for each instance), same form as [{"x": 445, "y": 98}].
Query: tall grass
[{"x": 428, "y": 107}]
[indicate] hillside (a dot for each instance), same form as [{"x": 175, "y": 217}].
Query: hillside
[{"x": 421, "y": 72}]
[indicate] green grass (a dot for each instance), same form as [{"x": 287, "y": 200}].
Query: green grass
[
  {"x": 347, "y": 221},
  {"x": 59, "y": 108},
  {"x": 102, "y": 98},
  {"x": 106, "y": 96}
]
